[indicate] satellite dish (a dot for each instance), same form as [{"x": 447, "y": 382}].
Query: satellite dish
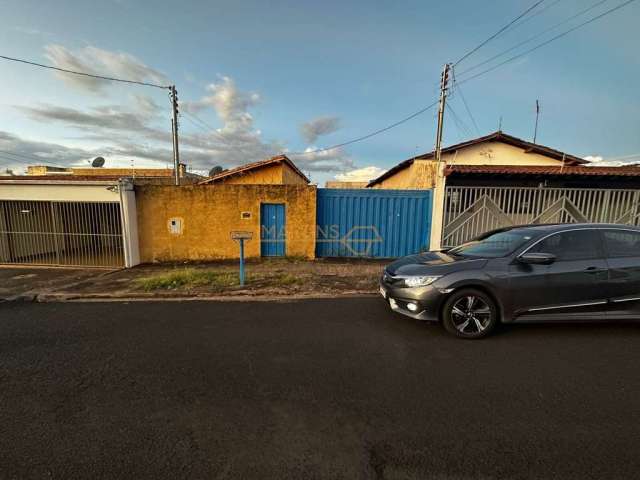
[
  {"x": 215, "y": 170},
  {"x": 97, "y": 162}
]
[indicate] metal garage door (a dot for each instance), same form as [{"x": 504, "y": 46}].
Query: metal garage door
[
  {"x": 61, "y": 233},
  {"x": 372, "y": 223}
]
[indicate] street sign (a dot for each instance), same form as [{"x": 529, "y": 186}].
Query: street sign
[{"x": 241, "y": 235}]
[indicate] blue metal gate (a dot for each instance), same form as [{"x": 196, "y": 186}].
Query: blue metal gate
[
  {"x": 272, "y": 230},
  {"x": 372, "y": 223}
]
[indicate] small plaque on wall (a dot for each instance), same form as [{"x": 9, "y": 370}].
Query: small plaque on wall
[
  {"x": 175, "y": 226},
  {"x": 245, "y": 215}
]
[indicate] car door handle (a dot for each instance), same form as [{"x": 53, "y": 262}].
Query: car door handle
[{"x": 594, "y": 270}]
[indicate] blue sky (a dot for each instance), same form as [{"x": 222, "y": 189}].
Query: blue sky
[{"x": 287, "y": 76}]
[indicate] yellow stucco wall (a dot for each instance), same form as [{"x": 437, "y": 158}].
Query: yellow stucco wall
[
  {"x": 290, "y": 177},
  {"x": 276, "y": 174},
  {"x": 269, "y": 175},
  {"x": 421, "y": 174},
  {"x": 208, "y": 213}
]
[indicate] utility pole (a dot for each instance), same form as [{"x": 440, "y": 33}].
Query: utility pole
[
  {"x": 174, "y": 131},
  {"x": 444, "y": 79},
  {"x": 439, "y": 183},
  {"x": 535, "y": 131}
]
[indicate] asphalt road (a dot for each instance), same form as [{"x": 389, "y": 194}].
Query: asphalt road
[{"x": 309, "y": 389}]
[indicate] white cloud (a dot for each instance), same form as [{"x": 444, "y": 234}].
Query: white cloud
[
  {"x": 99, "y": 62},
  {"x": 600, "y": 161},
  {"x": 135, "y": 128},
  {"x": 319, "y": 126},
  {"x": 364, "y": 174}
]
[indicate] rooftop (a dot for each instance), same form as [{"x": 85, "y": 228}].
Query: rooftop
[
  {"x": 498, "y": 136},
  {"x": 243, "y": 169},
  {"x": 543, "y": 170}
]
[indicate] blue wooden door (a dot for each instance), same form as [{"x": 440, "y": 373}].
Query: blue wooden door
[{"x": 272, "y": 230}]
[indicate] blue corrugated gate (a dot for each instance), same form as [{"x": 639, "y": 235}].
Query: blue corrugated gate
[
  {"x": 372, "y": 223},
  {"x": 272, "y": 230}
]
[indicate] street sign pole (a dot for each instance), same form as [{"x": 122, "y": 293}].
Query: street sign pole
[
  {"x": 242, "y": 262},
  {"x": 240, "y": 237}
]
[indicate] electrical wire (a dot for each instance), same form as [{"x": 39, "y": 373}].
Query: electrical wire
[
  {"x": 29, "y": 159},
  {"x": 84, "y": 74},
  {"x": 369, "y": 135},
  {"x": 459, "y": 82},
  {"x": 547, "y": 42},
  {"x": 534, "y": 37},
  {"x": 495, "y": 35},
  {"x": 464, "y": 102},
  {"x": 463, "y": 130}
]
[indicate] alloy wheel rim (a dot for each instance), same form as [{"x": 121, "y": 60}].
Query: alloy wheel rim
[{"x": 471, "y": 315}]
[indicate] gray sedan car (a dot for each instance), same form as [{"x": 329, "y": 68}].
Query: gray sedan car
[{"x": 526, "y": 273}]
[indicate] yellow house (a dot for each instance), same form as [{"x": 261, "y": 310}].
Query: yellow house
[
  {"x": 279, "y": 170},
  {"x": 497, "y": 148}
]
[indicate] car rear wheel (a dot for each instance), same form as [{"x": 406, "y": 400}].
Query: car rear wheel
[{"x": 470, "y": 313}]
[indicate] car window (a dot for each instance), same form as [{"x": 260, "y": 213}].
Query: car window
[
  {"x": 495, "y": 245},
  {"x": 622, "y": 243},
  {"x": 571, "y": 245}
]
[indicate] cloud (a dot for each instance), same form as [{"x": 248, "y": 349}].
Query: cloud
[
  {"x": 138, "y": 128},
  {"x": 600, "y": 161},
  {"x": 99, "y": 62},
  {"x": 313, "y": 129},
  {"x": 364, "y": 174},
  {"x": 109, "y": 117},
  {"x": 16, "y": 153},
  {"x": 332, "y": 160}
]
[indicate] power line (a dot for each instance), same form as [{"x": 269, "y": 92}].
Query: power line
[
  {"x": 27, "y": 157},
  {"x": 482, "y": 44},
  {"x": 84, "y": 74},
  {"x": 462, "y": 128},
  {"x": 464, "y": 101},
  {"x": 534, "y": 37},
  {"x": 539, "y": 12},
  {"x": 21, "y": 162},
  {"x": 372, "y": 134},
  {"x": 540, "y": 45}
]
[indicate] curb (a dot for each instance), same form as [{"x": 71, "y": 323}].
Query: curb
[{"x": 103, "y": 297}]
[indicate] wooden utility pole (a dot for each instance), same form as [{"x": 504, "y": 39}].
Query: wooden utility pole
[
  {"x": 174, "y": 130},
  {"x": 444, "y": 79},
  {"x": 535, "y": 131}
]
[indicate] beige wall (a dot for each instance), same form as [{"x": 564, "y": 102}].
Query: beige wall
[
  {"x": 421, "y": 174},
  {"x": 77, "y": 192},
  {"x": 208, "y": 214}
]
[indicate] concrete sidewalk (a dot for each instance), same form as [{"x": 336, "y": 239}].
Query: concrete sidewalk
[
  {"x": 26, "y": 283},
  {"x": 266, "y": 278}
]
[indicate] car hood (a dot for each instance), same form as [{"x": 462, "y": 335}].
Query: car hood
[{"x": 433, "y": 263}]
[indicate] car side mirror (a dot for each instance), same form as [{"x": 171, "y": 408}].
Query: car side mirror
[{"x": 537, "y": 258}]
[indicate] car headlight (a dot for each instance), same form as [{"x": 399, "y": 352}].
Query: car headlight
[{"x": 420, "y": 281}]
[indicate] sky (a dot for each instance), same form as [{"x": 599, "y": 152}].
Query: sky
[{"x": 256, "y": 79}]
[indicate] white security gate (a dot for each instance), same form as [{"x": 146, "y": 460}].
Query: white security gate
[
  {"x": 470, "y": 211},
  {"x": 61, "y": 233}
]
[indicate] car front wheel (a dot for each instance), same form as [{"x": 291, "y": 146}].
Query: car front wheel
[{"x": 469, "y": 313}]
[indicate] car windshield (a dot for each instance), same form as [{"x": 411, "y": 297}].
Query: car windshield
[{"x": 495, "y": 245}]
